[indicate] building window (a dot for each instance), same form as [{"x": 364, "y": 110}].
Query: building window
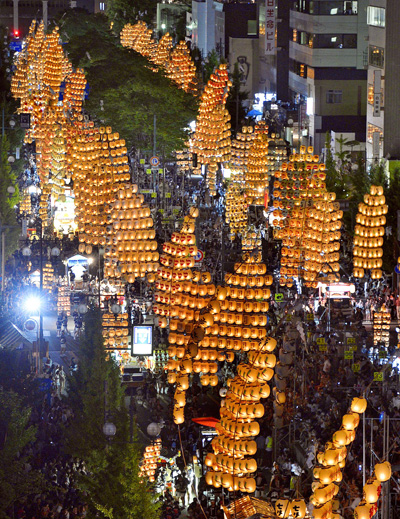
[
  {"x": 102, "y": 6},
  {"x": 334, "y": 96},
  {"x": 376, "y": 16},
  {"x": 300, "y": 69},
  {"x": 335, "y": 41},
  {"x": 324, "y": 7},
  {"x": 251, "y": 27},
  {"x": 376, "y": 56}
]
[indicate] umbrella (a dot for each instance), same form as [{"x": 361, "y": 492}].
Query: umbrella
[{"x": 253, "y": 113}]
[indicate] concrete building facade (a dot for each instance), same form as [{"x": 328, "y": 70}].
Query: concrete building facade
[
  {"x": 328, "y": 67},
  {"x": 383, "y": 129}
]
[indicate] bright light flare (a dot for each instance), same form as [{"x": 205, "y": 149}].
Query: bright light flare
[{"x": 32, "y": 304}]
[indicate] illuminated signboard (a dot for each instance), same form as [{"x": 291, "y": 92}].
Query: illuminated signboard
[{"x": 142, "y": 340}]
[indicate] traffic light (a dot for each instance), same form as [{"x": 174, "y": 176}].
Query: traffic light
[{"x": 16, "y": 33}]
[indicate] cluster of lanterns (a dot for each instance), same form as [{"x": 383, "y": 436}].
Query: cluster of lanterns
[
  {"x": 182, "y": 297},
  {"x": 212, "y": 138},
  {"x": 109, "y": 212},
  {"x": 40, "y": 68},
  {"x": 369, "y": 232},
  {"x": 235, "y": 199},
  {"x": 63, "y": 299},
  {"x": 230, "y": 465},
  {"x": 98, "y": 161},
  {"x": 131, "y": 249},
  {"x": 151, "y": 456},
  {"x": 332, "y": 460},
  {"x": 25, "y": 206},
  {"x": 298, "y": 182},
  {"x": 183, "y": 160},
  {"x": 48, "y": 277},
  {"x": 176, "y": 61},
  {"x": 236, "y": 207},
  {"x": 256, "y": 173},
  {"x": 381, "y": 326},
  {"x": 372, "y": 490},
  {"x": 115, "y": 331},
  {"x": 308, "y": 221}
]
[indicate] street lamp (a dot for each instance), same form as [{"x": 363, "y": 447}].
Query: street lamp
[{"x": 109, "y": 430}]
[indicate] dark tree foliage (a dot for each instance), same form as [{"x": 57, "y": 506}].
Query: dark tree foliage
[
  {"x": 125, "y": 93},
  {"x": 16, "y": 482},
  {"x": 112, "y": 485}
]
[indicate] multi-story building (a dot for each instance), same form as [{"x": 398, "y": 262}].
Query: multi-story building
[
  {"x": 208, "y": 26},
  {"x": 327, "y": 64},
  {"x": 383, "y": 129}
]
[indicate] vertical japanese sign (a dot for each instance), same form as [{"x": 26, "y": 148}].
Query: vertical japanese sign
[{"x": 270, "y": 26}]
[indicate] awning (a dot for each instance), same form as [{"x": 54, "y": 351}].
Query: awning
[
  {"x": 12, "y": 338},
  {"x": 208, "y": 421}
]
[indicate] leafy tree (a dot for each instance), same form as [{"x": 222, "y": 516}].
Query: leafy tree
[
  {"x": 121, "y": 12},
  {"x": 359, "y": 180},
  {"x": 112, "y": 485},
  {"x": 7, "y": 200},
  {"x": 211, "y": 62},
  {"x": 16, "y": 482},
  {"x": 124, "y": 91}
]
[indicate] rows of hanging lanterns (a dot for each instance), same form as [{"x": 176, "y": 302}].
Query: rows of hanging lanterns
[
  {"x": 296, "y": 182},
  {"x": 257, "y": 166},
  {"x": 40, "y": 69},
  {"x": 328, "y": 473},
  {"x": 63, "y": 299},
  {"x": 230, "y": 464},
  {"x": 369, "y": 232},
  {"x": 48, "y": 277},
  {"x": 115, "y": 330},
  {"x": 180, "y": 68},
  {"x": 150, "y": 460},
  {"x": 381, "y": 326},
  {"x": 139, "y": 38},
  {"x": 308, "y": 220},
  {"x": 25, "y": 206},
  {"x": 372, "y": 491},
  {"x": 131, "y": 249},
  {"x": 108, "y": 211},
  {"x": 182, "y": 296},
  {"x": 176, "y": 61},
  {"x": 322, "y": 239},
  {"x": 212, "y": 139},
  {"x": 235, "y": 198}
]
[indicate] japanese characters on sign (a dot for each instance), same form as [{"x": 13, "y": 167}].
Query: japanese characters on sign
[{"x": 269, "y": 26}]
